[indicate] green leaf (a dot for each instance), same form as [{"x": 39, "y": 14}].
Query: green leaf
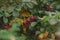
[
  {"x": 26, "y": 0},
  {"x": 15, "y": 13},
  {"x": 10, "y": 8},
  {"x": 1, "y": 9},
  {"x": 5, "y": 20},
  {"x": 53, "y": 21},
  {"x": 20, "y": 22},
  {"x": 23, "y": 37},
  {"x": 57, "y": 15},
  {"x": 14, "y": 27},
  {"x": 4, "y": 34},
  {"x": 34, "y": 2},
  {"x": 7, "y": 14},
  {"x": 18, "y": 7},
  {"x": 45, "y": 1},
  {"x": 29, "y": 5},
  {"x": 45, "y": 19},
  {"x": 1, "y": 15},
  {"x": 3, "y": 1},
  {"x": 37, "y": 32},
  {"x": 11, "y": 0},
  {"x": 33, "y": 24}
]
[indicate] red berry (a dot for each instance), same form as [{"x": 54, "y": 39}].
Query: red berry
[
  {"x": 48, "y": 7},
  {"x": 32, "y": 18},
  {"x": 6, "y": 27},
  {"x": 28, "y": 20},
  {"x": 24, "y": 22}
]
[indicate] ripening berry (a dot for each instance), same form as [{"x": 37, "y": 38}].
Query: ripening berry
[
  {"x": 32, "y": 18},
  {"x": 6, "y": 27},
  {"x": 24, "y": 22},
  {"x": 48, "y": 7},
  {"x": 28, "y": 20}
]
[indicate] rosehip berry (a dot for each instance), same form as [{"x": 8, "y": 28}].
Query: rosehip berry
[
  {"x": 32, "y": 18},
  {"x": 48, "y": 7},
  {"x": 6, "y": 27},
  {"x": 24, "y": 22},
  {"x": 28, "y": 20}
]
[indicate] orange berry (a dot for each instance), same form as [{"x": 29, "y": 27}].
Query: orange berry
[
  {"x": 45, "y": 34},
  {"x": 41, "y": 37}
]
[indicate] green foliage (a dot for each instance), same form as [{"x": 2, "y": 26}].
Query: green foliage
[
  {"x": 22, "y": 37},
  {"x": 57, "y": 15},
  {"x": 45, "y": 19},
  {"x": 12, "y": 8},
  {"x": 33, "y": 24},
  {"x": 5, "y": 20},
  {"x": 14, "y": 28},
  {"x": 4, "y": 34}
]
